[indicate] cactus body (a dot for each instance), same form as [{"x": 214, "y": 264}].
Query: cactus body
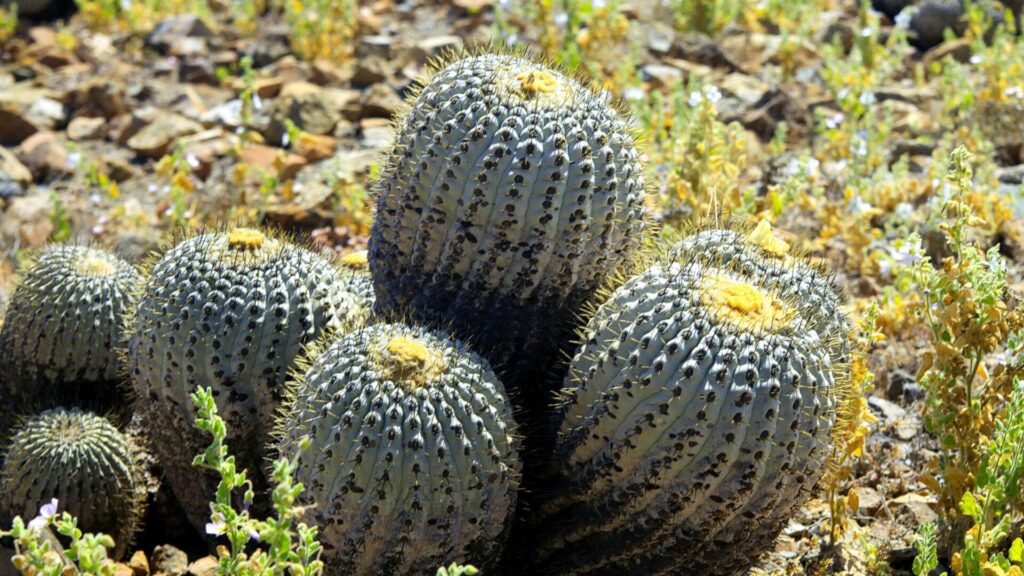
[
  {"x": 411, "y": 461},
  {"x": 79, "y": 458},
  {"x": 231, "y": 311},
  {"x": 63, "y": 329},
  {"x": 699, "y": 415},
  {"x": 357, "y": 294},
  {"x": 511, "y": 192}
]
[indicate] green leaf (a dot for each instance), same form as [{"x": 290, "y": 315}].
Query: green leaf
[
  {"x": 969, "y": 506},
  {"x": 1017, "y": 551}
]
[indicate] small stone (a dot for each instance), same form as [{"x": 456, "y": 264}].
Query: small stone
[
  {"x": 315, "y": 147},
  {"x": 27, "y": 221},
  {"x": 917, "y": 505},
  {"x": 45, "y": 156},
  {"x": 267, "y": 87},
  {"x": 273, "y": 160},
  {"x": 370, "y": 70},
  {"x": 156, "y": 139},
  {"x": 435, "y": 46},
  {"x": 169, "y": 560},
  {"x": 747, "y": 89},
  {"x": 86, "y": 128},
  {"x": 105, "y": 98},
  {"x": 472, "y": 6},
  {"x": 172, "y": 29},
  {"x": 376, "y": 132},
  {"x": 12, "y": 170},
  {"x": 889, "y": 411},
  {"x": 1011, "y": 174},
  {"x": 25, "y": 110},
  {"x": 139, "y": 564},
  {"x": 304, "y": 104},
  {"x": 374, "y": 45},
  {"x": 870, "y": 501},
  {"x": 206, "y": 566},
  {"x": 122, "y": 570},
  {"x": 661, "y": 76},
  {"x": 327, "y": 73},
  {"x": 380, "y": 101}
]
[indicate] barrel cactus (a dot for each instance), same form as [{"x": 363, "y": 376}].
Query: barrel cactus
[
  {"x": 699, "y": 413},
  {"x": 80, "y": 459},
  {"x": 231, "y": 311},
  {"x": 405, "y": 442},
  {"x": 357, "y": 288},
  {"x": 760, "y": 254},
  {"x": 63, "y": 331},
  {"x": 511, "y": 192}
]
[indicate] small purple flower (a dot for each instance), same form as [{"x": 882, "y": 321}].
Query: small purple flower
[
  {"x": 217, "y": 527},
  {"x": 46, "y": 511}
]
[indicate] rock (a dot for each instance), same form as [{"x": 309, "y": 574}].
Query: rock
[
  {"x": 86, "y": 128},
  {"x": 377, "y": 132},
  {"x": 206, "y": 566},
  {"x": 898, "y": 381},
  {"x": 157, "y": 138},
  {"x": 374, "y": 45},
  {"x": 889, "y": 411},
  {"x": 267, "y": 87},
  {"x": 104, "y": 98},
  {"x": 273, "y": 160},
  {"x": 661, "y": 76},
  {"x": 435, "y": 46},
  {"x": 380, "y": 101},
  {"x": 139, "y": 564},
  {"x": 122, "y": 570},
  {"x": 328, "y": 73},
  {"x": 168, "y": 559},
  {"x": 125, "y": 126},
  {"x": 25, "y": 110},
  {"x": 304, "y": 104},
  {"x": 929, "y": 20},
  {"x": 472, "y": 6},
  {"x": 12, "y": 170},
  {"x": 916, "y": 505},
  {"x": 201, "y": 150},
  {"x": 228, "y": 114},
  {"x": 176, "y": 28},
  {"x": 699, "y": 48},
  {"x": 869, "y": 500},
  {"x": 1011, "y": 174},
  {"x": 27, "y": 221},
  {"x": 198, "y": 70},
  {"x": 370, "y": 70},
  {"x": 314, "y": 147},
  {"x": 747, "y": 89},
  {"x": 44, "y": 155},
  {"x": 268, "y": 48}
]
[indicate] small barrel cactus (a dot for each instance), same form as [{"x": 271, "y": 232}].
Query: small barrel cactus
[
  {"x": 357, "y": 289},
  {"x": 94, "y": 471},
  {"x": 511, "y": 192},
  {"x": 699, "y": 413},
  {"x": 63, "y": 331},
  {"x": 231, "y": 311},
  {"x": 761, "y": 255},
  {"x": 405, "y": 443}
]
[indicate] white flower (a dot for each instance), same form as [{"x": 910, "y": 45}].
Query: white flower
[
  {"x": 695, "y": 98},
  {"x": 833, "y": 122},
  {"x": 997, "y": 264},
  {"x": 713, "y": 94},
  {"x": 867, "y": 32},
  {"x": 152, "y": 187},
  {"x": 633, "y": 93},
  {"x": 285, "y": 139},
  {"x": 598, "y": 4},
  {"x": 95, "y": 198},
  {"x": 1014, "y": 92},
  {"x": 512, "y": 39},
  {"x": 867, "y": 98},
  {"x": 257, "y": 102},
  {"x": 192, "y": 160},
  {"x": 904, "y": 211},
  {"x": 858, "y": 205},
  {"x": 906, "y": 254},
  {"x": 217, "y": 527},
  {"x": 885, "y": 267},
  {"x": 976, "y": 59},
  {"x": 46, "y": 511},
  {"x": 561, "y": 19},
  {"x": 74, "y": 159},
  {"x": 902, "y": 20},
  {"x": 96, "y": 230}
]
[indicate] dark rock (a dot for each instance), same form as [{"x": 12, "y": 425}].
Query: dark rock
[
  {"x": 697, "y": 47},
  {"x": 168, "y": 559},
  {"x": 380, "y": 101}
]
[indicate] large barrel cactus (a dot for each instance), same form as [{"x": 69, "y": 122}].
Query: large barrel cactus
[
  {"x": 231, "y": 311},
  {"x": 95, "y": 472},
  {"x": 511, "y": 192},
  {"x": 411, "y": 460},
  {"x": 63, "y": 331},
  {"x": 699, "y": 413}
]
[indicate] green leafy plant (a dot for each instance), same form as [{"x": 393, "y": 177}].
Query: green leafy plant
[
  {"x": 36, "y": 556},
  {"x": 8, "y": 23}
]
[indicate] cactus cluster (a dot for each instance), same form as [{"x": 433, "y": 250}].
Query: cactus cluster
[
  {"x": 510, "y": 193},
  {"x": 696, "y": 415},
  {"x": 94, "y": 471},
  {"x": 62, "y": 331},
  {"x": 411, "y": 460},
  {"x": 231, "y": 311}
]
